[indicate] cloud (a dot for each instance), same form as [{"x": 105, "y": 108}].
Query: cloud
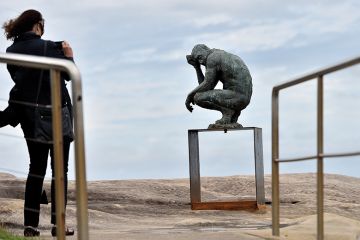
[
  {"x": 204, "y": 21},
  {"x": 327, "y": 18},
  {"x": 138, "y": 56},
  {"x": 270, "y": 33},
  {"x": 253, "y": 38}
]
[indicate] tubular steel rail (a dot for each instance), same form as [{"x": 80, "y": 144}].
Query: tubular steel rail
[
  {"x": 56, "y": 66},
  {"x": 320, "y": 145}
]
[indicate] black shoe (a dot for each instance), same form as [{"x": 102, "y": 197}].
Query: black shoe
[
  {"x": 68, "y": 231},
  {"x": 31, "y": 232}
]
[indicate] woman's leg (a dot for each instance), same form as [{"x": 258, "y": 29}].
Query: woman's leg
[
  {"x": 38, "y": 153},
  {"x": 66, "y": 149}
]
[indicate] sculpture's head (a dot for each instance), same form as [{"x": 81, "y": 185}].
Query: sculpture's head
[{"x": 200, "y": 52}]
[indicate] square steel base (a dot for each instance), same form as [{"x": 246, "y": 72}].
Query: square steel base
[{"x": 194, "y": 166}]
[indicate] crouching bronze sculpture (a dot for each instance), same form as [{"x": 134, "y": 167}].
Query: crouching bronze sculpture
[{"x": 232, "y": 72}]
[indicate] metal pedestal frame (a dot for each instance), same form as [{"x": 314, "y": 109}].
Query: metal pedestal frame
[{"x": 194, "y": 166}]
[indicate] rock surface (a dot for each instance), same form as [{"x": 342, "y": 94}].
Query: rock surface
[{"x": 160, "y": 209}]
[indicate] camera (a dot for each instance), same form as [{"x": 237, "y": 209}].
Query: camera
[{"x": 59, "y": 44}]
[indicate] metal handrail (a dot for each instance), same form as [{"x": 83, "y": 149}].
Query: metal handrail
[
  {"x": 332, "y": 155},
  {"x": 317, "y": 73},
  {"x": 320, "y": 144},
  {"x": 56, "y": 66}
]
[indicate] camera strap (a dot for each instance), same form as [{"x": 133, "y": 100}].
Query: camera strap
[{"x": 41, "y": 76}]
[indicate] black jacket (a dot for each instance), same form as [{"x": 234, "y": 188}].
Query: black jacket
[{"x": 27, "y": 80}]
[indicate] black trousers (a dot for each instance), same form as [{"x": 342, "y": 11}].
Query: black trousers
[
  {"x": 3, "y": 119},
  {"x": 39, "y": 153}
]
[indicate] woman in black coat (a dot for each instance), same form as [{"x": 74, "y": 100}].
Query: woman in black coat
[{"x": 33, "y": 86}]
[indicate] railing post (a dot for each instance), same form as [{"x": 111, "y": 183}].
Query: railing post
[
  {"x": 275, "y": 165},
  {"x": 320, "y": 164},
  {"x": 58, "y": 153},
  {"x": 80, "y": 166}
]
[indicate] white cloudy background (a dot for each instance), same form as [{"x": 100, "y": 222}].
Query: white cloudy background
[{"x": 135, "y": 77}]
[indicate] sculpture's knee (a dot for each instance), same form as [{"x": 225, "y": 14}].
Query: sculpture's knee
[
  {"x": 205, "y": 100},
  {"x": 198, "y": 98}
]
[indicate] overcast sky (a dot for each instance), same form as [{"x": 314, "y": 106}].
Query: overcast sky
[{"x": 135, "y": 77}]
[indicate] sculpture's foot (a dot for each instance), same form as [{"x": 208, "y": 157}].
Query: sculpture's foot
[
  {"x": 222, "y": 122},
  {"x": 226, "y": 119},
  {"x": 225, "y": 126},
  {"x": 229, "y": 116},
  {"x": 235, "y": 116}
]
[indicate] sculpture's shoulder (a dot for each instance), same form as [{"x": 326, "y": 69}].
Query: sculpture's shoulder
[
  {"x": 225, "y": 61},
  {"x": 221, "y": 55},
  {"x": 215, "y": 57},
  {"x": 217, "y": 53}
]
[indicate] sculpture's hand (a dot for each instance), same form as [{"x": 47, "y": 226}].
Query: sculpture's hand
[
  {"x": 188, "y": 102},
  {"x": 192, "y": 61}
]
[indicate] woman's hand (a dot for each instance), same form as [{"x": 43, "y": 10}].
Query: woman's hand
[{"x": 68, "y": 52}]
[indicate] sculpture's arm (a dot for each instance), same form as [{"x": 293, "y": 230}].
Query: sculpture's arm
[
  {"x": 199, "y": 74},
  {"x": 195, "y": 63},
  {"x": 207, "y": 84}
]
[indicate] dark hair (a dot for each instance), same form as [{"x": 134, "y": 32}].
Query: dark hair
[{"x": 23, "y": 23}]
